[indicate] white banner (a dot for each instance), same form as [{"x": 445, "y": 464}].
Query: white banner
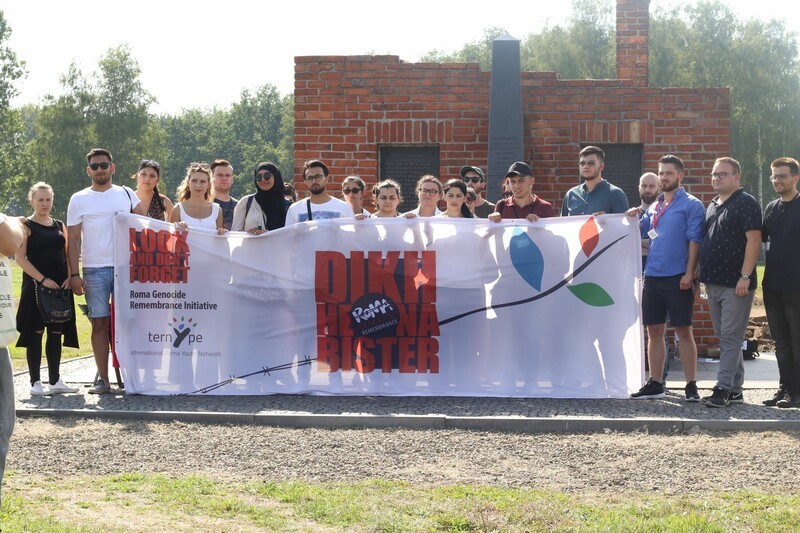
[{"x": 419, "y": 307}]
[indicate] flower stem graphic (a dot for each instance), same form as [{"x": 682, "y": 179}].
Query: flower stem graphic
[{"x": 551, "y": 290}]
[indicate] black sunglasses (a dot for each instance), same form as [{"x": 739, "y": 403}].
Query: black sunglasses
[
  {"x": 353, "y": 191},
  {"x": 149, "y": 163},
  {"x": 104, "y": 165},
  {"x": 265, "y": 176},
  {"x": 473, "y": 179}
]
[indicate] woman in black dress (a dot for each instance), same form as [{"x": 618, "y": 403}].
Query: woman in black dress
[{"x": 43, "y": 260}]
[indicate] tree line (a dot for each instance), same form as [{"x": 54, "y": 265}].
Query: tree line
[{"x": 703, "y": 44}]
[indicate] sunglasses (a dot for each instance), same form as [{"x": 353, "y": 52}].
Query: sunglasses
[
  {"x": 104, "y": 165},
  {"x": 266, "y": 176},
  {"x": 149, "y": 163},
  {"x": 352, "y": 191},
  {"x": 472, "y": 179}
]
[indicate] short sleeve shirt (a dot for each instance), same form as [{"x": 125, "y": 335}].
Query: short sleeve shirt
[
  {"x": 333, "y": 208},
  {"x": 722, "y": 251},
  {"x": 508, "y": 209},
  {"x": 605, "y": 197}
]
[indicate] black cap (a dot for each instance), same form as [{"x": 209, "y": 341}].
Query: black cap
[
  {"x": 468, "y": 168},
  {"x": 519, "y": 168}
]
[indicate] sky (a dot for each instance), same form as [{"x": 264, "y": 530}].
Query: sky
[{"x": 202, "y": 54}]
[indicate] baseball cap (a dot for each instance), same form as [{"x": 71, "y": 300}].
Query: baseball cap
[
  {"x": 519, "y": 168},
  {"x": 477, "y": 170}
]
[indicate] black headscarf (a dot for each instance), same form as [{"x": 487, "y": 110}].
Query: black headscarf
[{"x": 271, "y": 201}]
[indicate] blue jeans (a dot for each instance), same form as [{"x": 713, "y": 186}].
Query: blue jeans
[
  {"x": 7, "y": 408},
  {"x": 99, "y": 286}
]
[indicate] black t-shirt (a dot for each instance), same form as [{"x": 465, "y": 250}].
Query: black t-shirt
[
  {"x": 227, "y": 211},
  {"x": 725, "y": 239},
  {"x": 782, "y": 233}
]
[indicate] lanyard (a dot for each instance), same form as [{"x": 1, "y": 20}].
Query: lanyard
[{"x": 659, "y": 211}]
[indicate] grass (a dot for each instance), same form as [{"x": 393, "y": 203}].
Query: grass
[
  {"x": 147, "y": 502},
  {"x": 84, "y": 329}
]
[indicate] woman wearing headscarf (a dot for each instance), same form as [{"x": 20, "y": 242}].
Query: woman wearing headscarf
[{"x": 266, "y": 209}]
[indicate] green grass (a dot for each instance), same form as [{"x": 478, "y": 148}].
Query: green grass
[
  {"x": 142, "y": 502},
  {"x": 84, "y": 328}
]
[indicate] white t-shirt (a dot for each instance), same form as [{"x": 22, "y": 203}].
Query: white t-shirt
[
  {"x": 210, "y": 222},
  {"x": 333, "y": 208},
  {"x": 436, "y": 211},
  {"x": 94, "y": 211}
]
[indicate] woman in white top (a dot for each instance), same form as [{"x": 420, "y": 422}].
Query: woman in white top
[
  {"x": 429, "y": 192},
  {"x": 387, "y": 198},
  {"x": 455, "y": 194},
  {"x": 195, "y": 208},
  {"x": 353, "y": 189},
  {"x": 266, "y": 209}
]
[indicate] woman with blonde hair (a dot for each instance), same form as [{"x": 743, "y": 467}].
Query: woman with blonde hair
[
  {"x": 43, "y": 259},
  {"x": 195, "y": 206}
]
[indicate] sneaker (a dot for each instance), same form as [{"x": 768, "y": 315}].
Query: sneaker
[
  {"x": 772, "y": 402},
  {"x": 692, "y": 395},
  {"x": 62, "y": 388},
  {"x": 651, "y": 389},
  {"x": 719, "y": 398},
  {"x": 736, "y": 397},
  {"x": 37, "y": 389},
  {"x": 792, "y": 399},
  {"x": 101, "y": 387}
]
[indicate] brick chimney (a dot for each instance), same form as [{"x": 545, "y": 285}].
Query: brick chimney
[{"x": 633, "y": 54}]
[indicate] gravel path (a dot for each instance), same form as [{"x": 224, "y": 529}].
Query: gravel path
[{"x": 604, "y": 462}]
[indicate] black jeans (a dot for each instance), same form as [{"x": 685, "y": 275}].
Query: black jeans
[{"x": 783, "y": 315}]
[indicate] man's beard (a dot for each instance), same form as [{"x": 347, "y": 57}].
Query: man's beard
[{"x": 648, "y": 198}]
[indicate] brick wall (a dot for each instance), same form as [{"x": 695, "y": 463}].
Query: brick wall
[{"x": 346, "y": 106}]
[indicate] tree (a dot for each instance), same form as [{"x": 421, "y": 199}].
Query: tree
[{"x": 12, "y": 129}]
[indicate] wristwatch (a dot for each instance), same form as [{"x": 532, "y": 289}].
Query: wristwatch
[{"x": 745, "y": 276}]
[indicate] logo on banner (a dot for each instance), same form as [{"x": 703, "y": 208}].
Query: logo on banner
[
  {"x": 182, "y": 333},
  {"x": 158, "y": 256},
  {"x": 377, "y": 311}
]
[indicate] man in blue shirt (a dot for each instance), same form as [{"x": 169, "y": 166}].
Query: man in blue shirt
[
  {"x": 674, "y": 225},
  {"x": 595, "y": 195}
]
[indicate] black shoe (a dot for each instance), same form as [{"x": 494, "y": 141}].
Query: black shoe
[
  {"x": 772, "y": 402},
  {"x": 792, "y": 399},
  {"x": 736, "y": 397},
  {"x": 652, "y": 389},
  {"x": 692, "y": 396},
  {"x": 719, "y": 398}
]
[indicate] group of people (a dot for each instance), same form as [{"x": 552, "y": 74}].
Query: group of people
[{"x": 685, "y": 244}]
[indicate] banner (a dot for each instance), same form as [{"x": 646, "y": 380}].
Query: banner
[{"x": 406, "y": 307}]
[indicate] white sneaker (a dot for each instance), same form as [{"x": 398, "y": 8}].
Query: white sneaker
[
  {"x": 62, "y": 388},
  {"x": 37, "y": 389}
]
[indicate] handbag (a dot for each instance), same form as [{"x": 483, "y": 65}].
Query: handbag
[{"x": 54, "y": 305}]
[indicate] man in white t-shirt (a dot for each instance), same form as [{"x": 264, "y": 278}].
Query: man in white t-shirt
[
  {"x": 320, "y": 205},
  {"x": 90, "y": 226}
]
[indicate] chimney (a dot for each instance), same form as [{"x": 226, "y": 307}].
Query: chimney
[{"x": 633, "y": 54}]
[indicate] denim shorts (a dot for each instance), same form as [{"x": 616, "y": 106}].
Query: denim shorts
[
  {"x": 99, "y": 284},
  {"x": 662, "y": 297}
]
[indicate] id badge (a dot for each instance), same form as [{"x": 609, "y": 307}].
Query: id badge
[{"x": 652, "y": 234}]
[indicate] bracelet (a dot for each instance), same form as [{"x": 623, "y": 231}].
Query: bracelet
[
  {"x": 75, "y": 275},
  {"x": 42, "y": 280}
]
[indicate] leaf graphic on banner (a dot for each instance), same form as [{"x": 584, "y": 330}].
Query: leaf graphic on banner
[
  {"x": 589, "y": 236},
  {"x": 527, "y": 259},
  {"x": 591, "y": 294}
]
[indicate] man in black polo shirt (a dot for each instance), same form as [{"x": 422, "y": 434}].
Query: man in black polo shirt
[
  {"x": 728, "y": 258},
  {"x": 782, "y": 279}
]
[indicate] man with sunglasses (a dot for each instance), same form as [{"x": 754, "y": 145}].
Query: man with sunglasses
[
  {"x": 595, "y": 195},
  {"x": 222, "y": 176},
  {"x": 90, "y": 229},
  {"x": 320, "y": 205},
  {"x": 473, "y": 176}
]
